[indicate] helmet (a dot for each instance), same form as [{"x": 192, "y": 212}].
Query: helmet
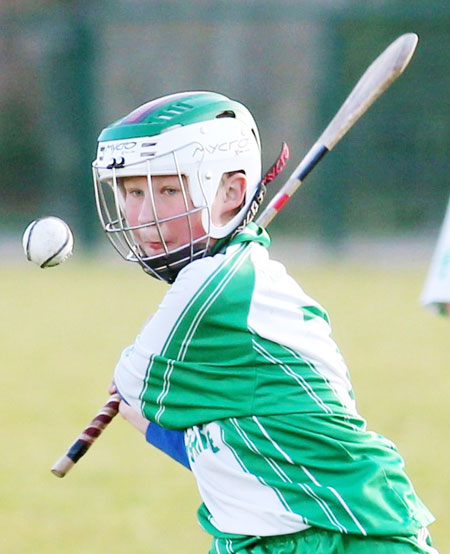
[{"x": 197, "y": 136}]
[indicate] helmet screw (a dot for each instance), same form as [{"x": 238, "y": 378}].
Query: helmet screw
[{"x": 208, "y": 175}]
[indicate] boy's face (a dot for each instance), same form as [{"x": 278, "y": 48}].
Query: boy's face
[{"x": 169, "y": 201}]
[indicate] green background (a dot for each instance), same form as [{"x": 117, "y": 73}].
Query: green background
[{"x": 70, "y": 68}]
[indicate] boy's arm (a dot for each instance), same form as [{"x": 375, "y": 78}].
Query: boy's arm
[{"x": 171, "y": 442}]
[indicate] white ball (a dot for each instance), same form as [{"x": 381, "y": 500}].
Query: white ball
[{"x": 47, "y": 241}]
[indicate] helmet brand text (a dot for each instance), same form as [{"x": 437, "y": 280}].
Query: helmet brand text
[
  {"x": 120, "y": 147},
  {"x": 238, "y": 146}
]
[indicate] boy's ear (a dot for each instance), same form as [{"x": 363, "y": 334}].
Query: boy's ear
[
  {"x": 235, "y": 187},
  {"x": 230, "y": 197}
]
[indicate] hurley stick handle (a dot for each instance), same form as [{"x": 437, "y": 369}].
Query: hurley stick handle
[{"x": 87, "y": 437}]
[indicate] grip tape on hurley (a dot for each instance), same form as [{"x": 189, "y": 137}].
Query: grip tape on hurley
[{"x": 87, "y": 437}]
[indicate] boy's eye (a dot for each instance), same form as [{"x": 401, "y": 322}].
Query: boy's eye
[
  {"x": 135, "y": 192},
  {"x": 170, "y": 191}
]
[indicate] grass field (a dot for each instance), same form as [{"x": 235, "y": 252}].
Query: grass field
[{"x": 62, "y": 330}]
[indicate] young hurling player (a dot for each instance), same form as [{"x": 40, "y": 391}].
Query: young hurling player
[{"x": 237, "y": 372}]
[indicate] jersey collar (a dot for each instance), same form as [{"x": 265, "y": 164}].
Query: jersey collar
[{"x": 251, "y": 233}]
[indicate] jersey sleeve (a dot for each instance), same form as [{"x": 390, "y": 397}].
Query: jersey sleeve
[
  {"x": 192, "y": 361},
  {"x": 171, "y": 442},
  {"x": 168, "y": 441}
]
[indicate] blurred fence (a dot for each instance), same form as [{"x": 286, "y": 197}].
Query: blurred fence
[{"x": 69, "y": 68}]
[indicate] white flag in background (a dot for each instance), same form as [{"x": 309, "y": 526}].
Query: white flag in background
[{"x": 436, "y": 292}]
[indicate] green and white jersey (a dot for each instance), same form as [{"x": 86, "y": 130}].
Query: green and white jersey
[{"x": 239, "y": 357}]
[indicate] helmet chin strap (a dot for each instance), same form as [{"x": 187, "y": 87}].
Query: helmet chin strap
[
  {"x": 167, "y": 266},
  {"x": 277, "y": 167}
]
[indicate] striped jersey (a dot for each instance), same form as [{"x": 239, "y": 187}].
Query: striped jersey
[{"x": 242, "y": 360}]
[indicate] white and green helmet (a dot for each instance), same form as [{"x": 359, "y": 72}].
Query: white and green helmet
[{"x": 198, "y": 136}]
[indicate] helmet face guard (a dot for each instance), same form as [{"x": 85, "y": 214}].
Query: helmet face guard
[
  {"x": 197, "y": 137},
  {"x": 111, "y": 206}
]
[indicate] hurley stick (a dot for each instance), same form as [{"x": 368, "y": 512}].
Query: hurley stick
[
  {"x": 389, "y": 65},
  {"x": 87, "y": 437}
]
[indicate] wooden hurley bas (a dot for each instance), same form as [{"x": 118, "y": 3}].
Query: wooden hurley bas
[{"x": 87, "y": 437}]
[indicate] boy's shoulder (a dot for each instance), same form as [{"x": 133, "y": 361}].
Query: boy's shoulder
[
  {"x": 219, "y": 281},
  {"x": 226, "y": 255}
]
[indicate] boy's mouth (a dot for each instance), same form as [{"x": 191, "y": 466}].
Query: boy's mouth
[{"x": 153, "y": 248}]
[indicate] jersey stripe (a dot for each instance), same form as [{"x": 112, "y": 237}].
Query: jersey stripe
[
  {"x": 317, "y": 372},
  {"x": 266, "y": 434},
  {"x": 212, "y": 297},
  {"x": 241, "y": 463},
  {"x": 298, "y": 378},
  {"x": 227, "y": 261},
  {"x": 347, "y": 509},
  {"x": 339, "y": 497},
  {"x": 324, "y": 507},
  {"x": 165, "y": 390},
  {"x": 274, "y": 466}
]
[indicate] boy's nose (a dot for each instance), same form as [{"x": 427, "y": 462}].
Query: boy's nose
[{"x": 146, "y": 214}]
